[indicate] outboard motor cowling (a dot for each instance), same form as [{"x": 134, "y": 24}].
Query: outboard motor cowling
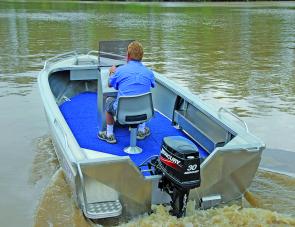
[{"x": 179, "y": 163}]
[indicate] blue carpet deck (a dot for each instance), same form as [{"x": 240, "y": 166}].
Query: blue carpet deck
[{"x": 81, "y": 116}]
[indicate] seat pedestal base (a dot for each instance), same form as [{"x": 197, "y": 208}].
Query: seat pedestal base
[{"x": 133, "y": 150}]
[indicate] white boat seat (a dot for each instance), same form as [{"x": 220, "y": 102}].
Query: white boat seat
[{"x": 132, "y": 111}]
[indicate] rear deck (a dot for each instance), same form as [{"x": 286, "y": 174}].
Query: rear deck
[{"x": 82, "y": 117}]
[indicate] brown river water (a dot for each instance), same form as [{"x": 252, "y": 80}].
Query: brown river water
[{"x": 237, "y": 55}]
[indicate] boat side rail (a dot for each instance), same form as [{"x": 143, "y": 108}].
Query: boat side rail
[
  {"x": 222, "y": 109},
  {"x": 190, "y": 98},
  {"x": 174, "y": 90},
  {"x": 208, "y": 143},
  {"x": 246, "y": 147},
  {"x": 59, "y": 57}
]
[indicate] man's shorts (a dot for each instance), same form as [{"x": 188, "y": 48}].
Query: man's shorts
[{"x": 110, "y": 105}]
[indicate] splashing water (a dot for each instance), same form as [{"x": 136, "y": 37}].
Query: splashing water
[
  {"x": 226, "y": 216},
  {"x": 57, "y": 207},
  {"x": 45, "y": 162},
  {"x": 274, "y": 192}
]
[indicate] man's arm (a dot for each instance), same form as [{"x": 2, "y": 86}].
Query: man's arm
[
  {"x": 153, "y": 83},
  {"x": 111, "y": 72}
]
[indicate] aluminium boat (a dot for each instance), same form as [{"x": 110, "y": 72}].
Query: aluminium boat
[{"x": 108, "y": 182}]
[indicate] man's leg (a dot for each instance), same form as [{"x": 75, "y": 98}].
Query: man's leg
[
  {"x": 110, "y": 124},
  {"x": 143, "y": 131},
  {"x": 108, "y": 135},
  {"x": 141, "y": 127}
]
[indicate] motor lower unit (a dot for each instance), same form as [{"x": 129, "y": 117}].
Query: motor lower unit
[{"x": 179, "y": 164}]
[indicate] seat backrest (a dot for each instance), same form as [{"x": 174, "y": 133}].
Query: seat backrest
[{"x": 135, "y": 109}]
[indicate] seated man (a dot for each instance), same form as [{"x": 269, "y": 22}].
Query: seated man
[{"x": 131, "y": 79}]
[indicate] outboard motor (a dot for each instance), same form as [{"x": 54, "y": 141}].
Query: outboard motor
[{"x": 179, "y": 163}]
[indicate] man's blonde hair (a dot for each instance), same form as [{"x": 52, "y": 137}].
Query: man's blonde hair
[{"x": 135, "y": 51}]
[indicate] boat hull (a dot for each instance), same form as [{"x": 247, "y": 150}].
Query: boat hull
[{"x": 231, "y": 153}]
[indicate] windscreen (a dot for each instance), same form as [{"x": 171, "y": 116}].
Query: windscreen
[{"x": 112, "y": 52}]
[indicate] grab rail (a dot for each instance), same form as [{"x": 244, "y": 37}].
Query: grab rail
[
  {"x": 234, "y": 115},
  {"x": 58, "y": 57},
  {"x": 111, "y": 54},
  {"x": 74, "y": 53},
  {"x": 93, "y": 52},
  {"x": 102, "y": 52}
]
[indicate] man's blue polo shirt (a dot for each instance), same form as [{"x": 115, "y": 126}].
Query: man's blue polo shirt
[{"x": 132, "y": 78}]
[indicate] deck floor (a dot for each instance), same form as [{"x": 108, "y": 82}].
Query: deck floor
[{"x": 82, "y": 118}]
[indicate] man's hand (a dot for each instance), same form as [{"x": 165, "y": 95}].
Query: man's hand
[{"x": 112, "y": 70}]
